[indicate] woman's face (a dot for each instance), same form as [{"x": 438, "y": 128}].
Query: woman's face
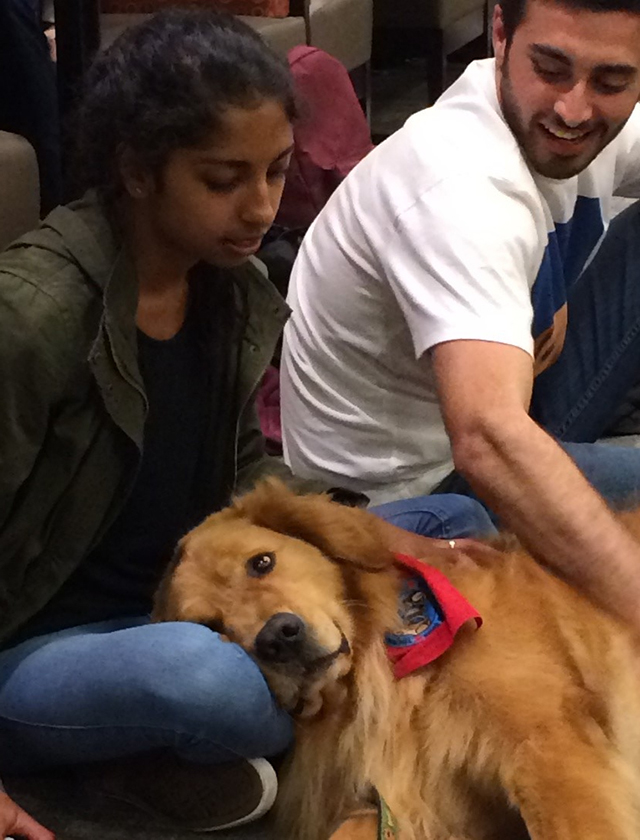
[{"x": 214, "y": 202}]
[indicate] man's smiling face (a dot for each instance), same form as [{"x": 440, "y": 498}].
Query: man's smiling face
[{"x": 567, "y": 82}]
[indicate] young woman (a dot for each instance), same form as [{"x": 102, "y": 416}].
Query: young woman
[{"x": 134, "y": 329}]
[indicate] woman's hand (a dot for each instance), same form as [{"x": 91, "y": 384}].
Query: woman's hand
[{"x": 14, "y": 822}]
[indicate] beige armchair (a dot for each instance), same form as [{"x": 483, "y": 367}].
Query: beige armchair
[
  {"x": 20, "y": 193},
  {"x": 340, "y": 27},
  {"x": 443, "y": 26},
  {"x": 343, "y": 28}
]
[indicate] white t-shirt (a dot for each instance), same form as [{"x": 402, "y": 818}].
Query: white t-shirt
[{"x": 441, "y": 233}]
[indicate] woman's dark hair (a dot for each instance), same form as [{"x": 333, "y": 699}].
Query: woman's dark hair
[
  {"x": 164, "y": 84},
  {"x": 513, "y": 11}
]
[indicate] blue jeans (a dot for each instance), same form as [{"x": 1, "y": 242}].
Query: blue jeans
[
  {"x": 579, "y": 396},
  {"x": 121, "y": 687},
  {"x": 441, "y": 516}
]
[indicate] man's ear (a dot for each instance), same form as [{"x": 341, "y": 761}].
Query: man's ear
[
  {"x": 344, "y": 534},
  {"x": 499, "y": 36}
]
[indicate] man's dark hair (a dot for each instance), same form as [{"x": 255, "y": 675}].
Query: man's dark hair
[
  {"x": 165, "y": 84},
  {"x": 513, "y": 11}
]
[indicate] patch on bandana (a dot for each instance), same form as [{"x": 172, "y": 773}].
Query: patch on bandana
[
  {"x": 418, "y": 613},
  {"x": 430, "y": 613}
]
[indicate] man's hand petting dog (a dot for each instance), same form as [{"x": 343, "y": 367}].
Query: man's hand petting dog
[{"x": 464, "y": 552}]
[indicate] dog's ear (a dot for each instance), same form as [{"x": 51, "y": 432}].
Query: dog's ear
[{"x": 344, "y": 534}]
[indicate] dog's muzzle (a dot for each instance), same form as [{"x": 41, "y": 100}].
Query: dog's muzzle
[
  {"x": 282, "y": 639},
  {"x": 286, "y": 640}
]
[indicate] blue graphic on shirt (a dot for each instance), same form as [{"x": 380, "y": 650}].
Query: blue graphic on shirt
[
  {"x": 568, "y": 249},
  {"x": 418, "y": 612}
]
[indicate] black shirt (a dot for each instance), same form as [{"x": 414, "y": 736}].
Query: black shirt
[{"x": 120, "y": 575}]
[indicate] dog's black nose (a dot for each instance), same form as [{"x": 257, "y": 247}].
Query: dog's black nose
[{"x": 281, "y": 638}]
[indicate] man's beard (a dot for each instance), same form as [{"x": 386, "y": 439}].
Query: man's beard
[{"x": 554, "y": 166}]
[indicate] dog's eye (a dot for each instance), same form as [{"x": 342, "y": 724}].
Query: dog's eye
[{"x": 261, "y": 564}]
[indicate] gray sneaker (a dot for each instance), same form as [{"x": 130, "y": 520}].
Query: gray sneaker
[{"x": 196, "y": 797}]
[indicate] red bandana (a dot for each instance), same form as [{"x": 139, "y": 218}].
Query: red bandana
[{"x": 431, "y": 613}]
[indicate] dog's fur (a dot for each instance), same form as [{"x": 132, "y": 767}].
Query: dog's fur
[{"x": 532, "y": 719}]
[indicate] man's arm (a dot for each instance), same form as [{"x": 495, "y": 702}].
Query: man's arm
[
  {"x": 526, "y": 478},
  {"x": 254, "y": 464}
]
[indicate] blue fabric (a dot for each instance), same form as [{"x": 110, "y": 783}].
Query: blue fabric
[
  {"x": 120, "y": 687},
  {"x": 614, "y": 471},
  {"x": 446, "y": 516},
  {"x": 570, "y": 245},
  {"x": 577, "y": 397}
]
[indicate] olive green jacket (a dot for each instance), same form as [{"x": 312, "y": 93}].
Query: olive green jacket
[{"x": 72, "y": 401}]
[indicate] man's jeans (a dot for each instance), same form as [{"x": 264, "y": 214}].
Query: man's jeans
[
  {"x": 441, "y": 516},
  {"x": 579, "y": 397}
]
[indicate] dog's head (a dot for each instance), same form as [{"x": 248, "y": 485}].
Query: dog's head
[{"x": 279, "y": 575}]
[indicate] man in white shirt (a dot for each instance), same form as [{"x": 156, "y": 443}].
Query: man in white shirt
[{"x": 465, "y": 258}]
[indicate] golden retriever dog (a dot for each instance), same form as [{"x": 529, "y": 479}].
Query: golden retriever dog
[{"x": 526, "y": 726}]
